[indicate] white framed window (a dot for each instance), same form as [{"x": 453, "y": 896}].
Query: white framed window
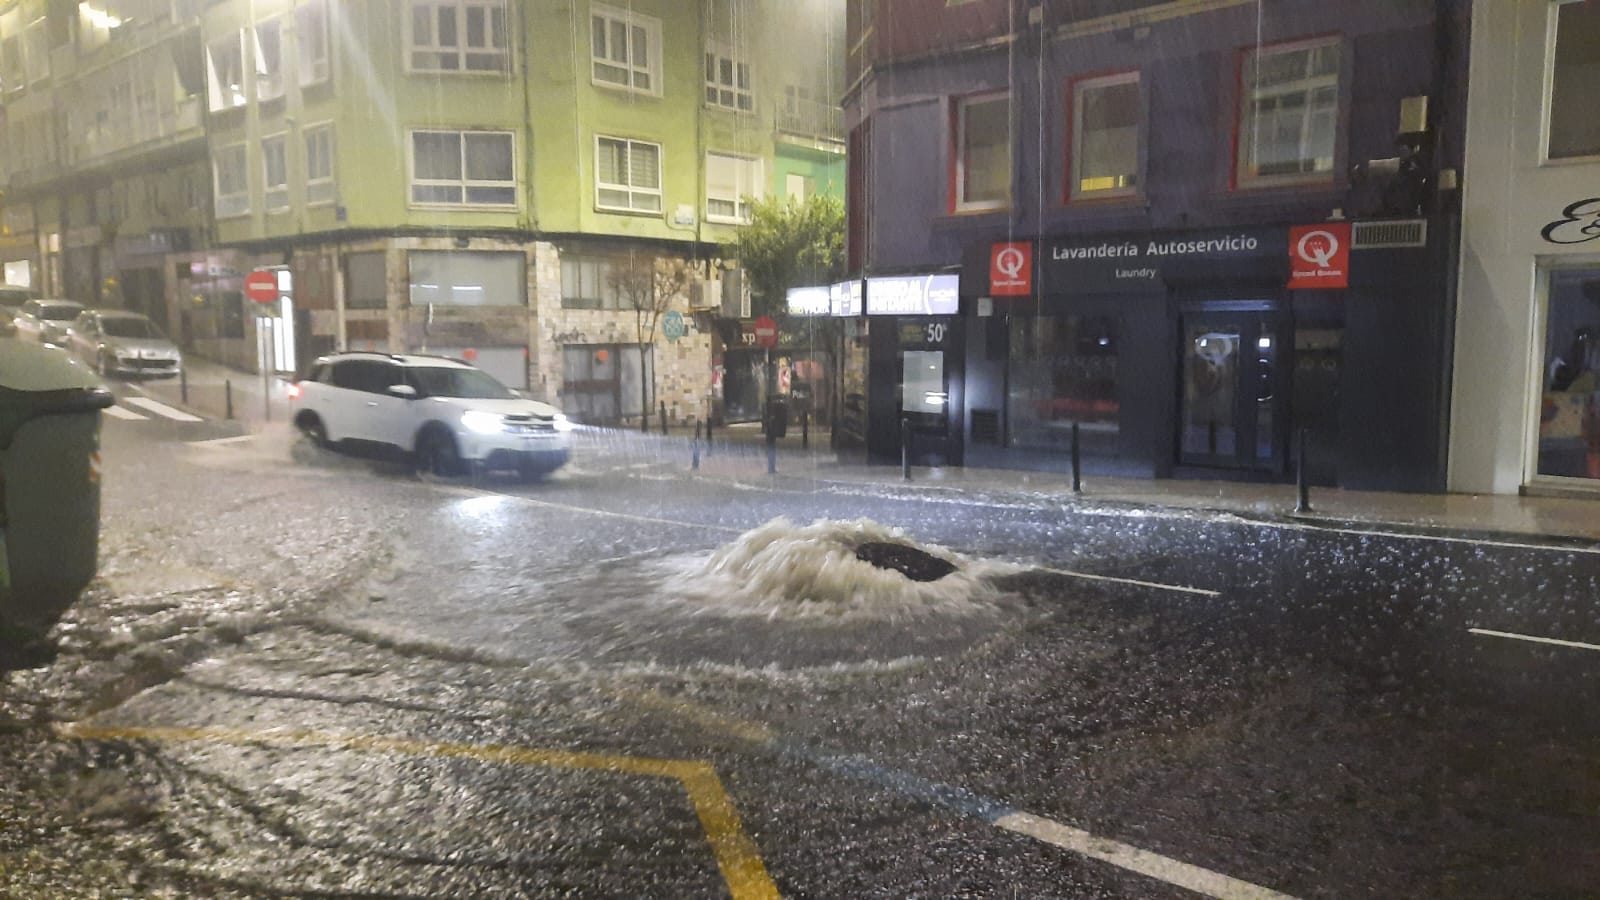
[
  {"x": 627, "y": 175},
  {"x": 320, "y": 184},
  {"x": 11, "y": 68},
  {"x": 269, "y": 59},
  {"x": 231, "y": 174},
  {"x": 458, "y": 36},
  {"x": 463, "y": 168},
  {"x": 727, "y": 79},
  {"x": 275, "y": 172},
  {"x": 311, "y": 42},
  {"x": 983, "y": 152},
  {"x": 1106, "y": 114},
  {"x": 1574, "y": 129},
  {"x": 730, "y": 183},
  {"x": 225, "y": 60},
  {"x": 589, "y": 281},
  {"x": 1289, "y": 113},
  {"x": 36, "y": 51},
  {"x": 625, "y": 49}
]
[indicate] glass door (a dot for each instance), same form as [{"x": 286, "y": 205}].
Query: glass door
[{"x": 1232, "y": 408}]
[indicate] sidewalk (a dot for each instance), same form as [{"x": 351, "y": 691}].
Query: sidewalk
[{"x": 739, "y": 453}]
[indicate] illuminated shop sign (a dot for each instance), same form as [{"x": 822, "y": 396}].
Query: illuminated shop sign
[
  {"x": 809, "y": 301},
  {"x": 844, "y": 299},
  {"x": 913, "y": 295}
]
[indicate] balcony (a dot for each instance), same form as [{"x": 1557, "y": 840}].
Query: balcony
[{"x": 810, "y": 119}]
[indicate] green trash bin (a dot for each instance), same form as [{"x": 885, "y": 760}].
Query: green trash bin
[{"x": 49, "y": 484}]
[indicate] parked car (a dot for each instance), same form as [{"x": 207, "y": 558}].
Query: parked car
[
  {"x": 124, "y": 343},
  {"x": 12, "y": 298},
  {"x": 452, "y": 416},
  {"x": 47, "y": 320}
]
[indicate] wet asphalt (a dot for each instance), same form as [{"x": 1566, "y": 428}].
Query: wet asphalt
[{"x": 305, "y": 673}]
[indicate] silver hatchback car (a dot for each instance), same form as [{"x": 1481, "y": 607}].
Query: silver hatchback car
[{"x": 124, "y": 343}]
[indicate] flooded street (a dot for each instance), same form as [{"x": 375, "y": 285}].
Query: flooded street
[{"x": 311, "y": 674}]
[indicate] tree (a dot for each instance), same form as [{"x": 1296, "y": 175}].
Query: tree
[
  {"x": 647, "y": 285},
  {"x": 789, "y": 244}
]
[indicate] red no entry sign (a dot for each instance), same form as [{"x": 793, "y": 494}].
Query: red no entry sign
[
  {"x": 766, "y": 332},
  {"x": 261, "y": 286}
]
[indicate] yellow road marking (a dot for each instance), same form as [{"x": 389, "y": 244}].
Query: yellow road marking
[{"x": 736, "y": 854}]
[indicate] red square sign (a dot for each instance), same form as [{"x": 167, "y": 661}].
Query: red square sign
[
  {"x": 1319, "y": 256},
  {"x": 1011, "y": 269}
]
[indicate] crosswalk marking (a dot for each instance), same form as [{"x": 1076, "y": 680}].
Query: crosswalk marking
[
  {"x": 161, "y": 409},
  {"x": 128, "y": 414}
]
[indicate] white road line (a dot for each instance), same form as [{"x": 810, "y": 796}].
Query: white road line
[
  {"x": 222, "y": 442},
  {"x": 161, "y": 409},
  {"x": 603, "y": 513},
  {"x": 1182, "y": 874},
  {"x": 1579, "y": 645},
  {"x": 1182, "y": 588},
  {"x": 117, "y": 412},
  {"x": 1441, "y": 538}
]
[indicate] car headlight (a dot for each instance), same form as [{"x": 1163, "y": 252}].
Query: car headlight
[
  {"x": 483, "y": 422},
  {"x": 563, "y": 423}
]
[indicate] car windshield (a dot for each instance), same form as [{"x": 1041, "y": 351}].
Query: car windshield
[
  {"x": 59, "y": 312},
  {"x": 438, "y": 381},
  {"x": 129, "y": 327}
]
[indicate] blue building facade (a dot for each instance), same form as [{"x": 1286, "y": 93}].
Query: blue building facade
[{"x": 1202, "y": 233}]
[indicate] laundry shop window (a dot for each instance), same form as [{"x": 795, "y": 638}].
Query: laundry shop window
[
  {"x": 1063, "y": 370},
  {"x": 1569, "y": 408},
  {"x": 1288, "y": 113},
  {"x": 1574, "y": 78},
  {"x": 1105, "y": 136},
  {"x": 444, "y": 278}
]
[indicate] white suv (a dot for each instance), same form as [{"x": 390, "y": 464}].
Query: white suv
[{"x": 451, "y": 415}]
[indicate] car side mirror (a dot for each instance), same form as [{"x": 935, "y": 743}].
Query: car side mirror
[{"x": 403, "y": 390}]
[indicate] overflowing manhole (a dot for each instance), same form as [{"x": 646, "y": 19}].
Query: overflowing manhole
[{"x": 912, "y": 562}]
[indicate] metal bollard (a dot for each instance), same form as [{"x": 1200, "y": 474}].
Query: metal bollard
[
  {"x": 1301, "y": 483},
  {"x": 183, "y": 384},
  {"x": 772, "y": 454},
  {"x": 710, "y": 445},
  {"x": 906, "y": 449},
  {"x": 805, "y": 430},
  {"x": 695, "y": 459},
  {"x": 1077, "y": 460},
  {"x": 227, "y": 396},
  {"x": 663, "y": 417}
]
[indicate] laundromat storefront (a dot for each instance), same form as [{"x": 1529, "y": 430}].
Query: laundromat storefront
[{"x": 1208, "y": 353}]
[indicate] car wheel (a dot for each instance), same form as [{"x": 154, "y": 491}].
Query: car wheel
[
  {"x": 437, "y": 453},
  {"x": 312, "y": 428}
]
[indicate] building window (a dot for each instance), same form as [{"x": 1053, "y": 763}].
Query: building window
[
  {"x": 311, "y": 41},
  {"x": 730, "y": 183},
  {"x": 319, "y": 164},
  {"x": 983, "y": 152},
  {"x": 590, "y": 282},
  {"x": 275, "y": 172},
  {"x": 459, "y": 36},
  {"x": 604, "y": 383},
  {"x": 1105, "y": 136},
  {"x": 226, "y": 60},
  {"x": 450, "y": 278},
  {"x": 232, "y": 181},
  {"x": 36, "y": 51},
  {"x": 463, "y": 168},
  {"x": 1575, "y": 77},
  {"x": 269, "y": 60},
  {"x": 627, "y": 175},
  {"x": 1063, "y": 371},
  {"x": 1289, "y": 113},
  {"x": 11, "y": 68},
  {"x": 626, "y": 49},
  {"x": 364, "y": 281},
  {"x": 727, "y": 80}
]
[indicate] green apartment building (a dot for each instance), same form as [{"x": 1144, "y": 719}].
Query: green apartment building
[{"x": 485, "y": 178}]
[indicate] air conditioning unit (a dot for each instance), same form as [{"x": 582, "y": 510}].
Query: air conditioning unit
[{"x": 705, "y": 293}]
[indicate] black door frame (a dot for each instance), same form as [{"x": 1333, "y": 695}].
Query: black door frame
[{"x": 1256, "y": 319}]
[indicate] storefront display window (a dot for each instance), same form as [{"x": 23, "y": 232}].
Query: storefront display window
[
  {"x": 1063, "y": 370},
  {"x": 1569, "y": 421}
]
